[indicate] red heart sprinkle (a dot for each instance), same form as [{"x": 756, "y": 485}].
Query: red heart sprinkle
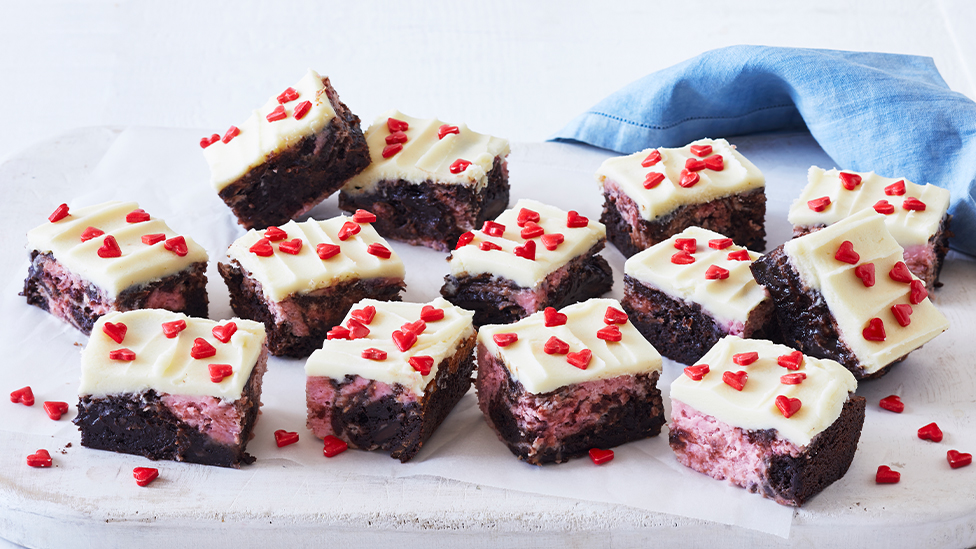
[
  {"x": 850, "y": 181},
  {"x": 404, "y": 340},
  {"x": 788, "y": 406},
  {"x": 421, "y": 363},
  {"x": 459, "y": 165},
  {"x": 338, "y": 332},
  {"x": 220, "y": 371},
  {"x": 526, "y": 215},
  {"x": 145, "y": 475},
  {"x": 150, "y": 239},
  {"x": 444, "y": 129},
  {"x": 177, "y": 245},
  {"x": 348, "y": 229},
  {"x": 302, "y": 109},
  {"x": 900, "y": 273},
  {"x": 40, "y": 458},
  {"x": 417, "y": 327},
  {"x": 290, "y": 94},
  {"x": 231, "y": 133},
  {"x": 715, "y": 163},
  {"x": 379, "y": 250},
  {"x": 334, "y": 445},
  {"x": 739, "y": 255},
  {"x": 504, "y": 340},
  {"x": 553, "y": 317},
  {"x": 896, "y": 189},
  {"x": 173, "y": 328},
  {"x": 913, "y": 204},
  {"x": 701, "y": 150},
  {"x": 391, "y": 150},
  {"x": 552, "y": 240},
  {"x": 609, "y": 333},
  {"x": 555, "y": 346},
  {"x": 526, "y": 250},
  {"x": 364, "y": 216},
  {"x": 23, "y": 395},
  {"x": 846, "y": 253},
  {"x": 614, "y": 315},
  {"x": 653, "y": 179},
  {"x": 90, "y": 233},
  {"x": 59, "y": 213},
  {"x": 284, "y": 438},
  {"x": 225, "y": 332},
  {"x": 55, "y": 409},
  {"x": 790, "y": 361},
  {"x": 202, "y": 349},
  {"x": 429, "y": 313},
  {"x": 682, "y": 258},
  {"x": 115, "y": 331},
  {"x": 736, "y": 380},
  {"x": 599, "y": 457},
  {"x": 325, "y": 251},
  {"x": 687, "y": 244},
  {"x": 277, "y": 114},
  {"x": 207, "y": 141},
  {"x": 745, "y": 359},
  {"x": 886, "y": 476},
  {"x": 653, "y": 158},
  {"x": 694, "y": 165},
  {"x": 292, "y": 246},
  {"x": 865, "y": 272},
  {"x": 275, "y": 234},
  {"x": 125, "y": 355},
  {"x": 464, "y": 239},
  {"x": 795, "y": 378},
  {"x": 930, "y": 432},
  {"x": 714, "y": 272},
  {"x": 688, "y": 179},
  {"x": 819, "y": 204},
  {"x": 902, "y": 312},
  {"x": 696, "y": 372},
  {"x": 581, "y": 359},
  {"x": 958, "y": 459},
  {"x": 262, "y": 248},
  {"x": 487, "y": 246},
  {"x": 884, "y": 207},
  {"x": 137, "y": 216},
  {"x": 574, "y": 220},
  {"x": 110, "y": 248},
  {"x": 532, "y": 230},
  {"x": 719, "y": 243},
  {"x": 395, "y": 125},
  {"x": 373, "y": 354},
  {"x": 364, "y": 315},
  {"x": 892, "y": 403},
  {"x": 357, "y": 330},
  {"x": 492, "y": 228},
  {"x": 917, "y": 292},
  {"x": 874, "y": 331}
]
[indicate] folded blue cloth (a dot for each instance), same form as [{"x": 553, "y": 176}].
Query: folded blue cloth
[{"x": 891, "y": 114}]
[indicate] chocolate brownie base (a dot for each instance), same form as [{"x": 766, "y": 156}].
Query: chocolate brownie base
[
  {"x": 805, "y": 320},
  {"x": 788, "y": 479},
  {"x": 393, "y": 422},
  {"x": 142, "y": 425},
  {"x": 52, "y": 287},
  {"x": 292, "y": 181},
  {"x": 740, "y": 216},
  {"x": 298, "y": 325},
  {"x": 681, "y": 330},
  {"x": 432, "y": 214},
  {"x": 557, "y": 426},
  {"x": 497, "y": 300}
]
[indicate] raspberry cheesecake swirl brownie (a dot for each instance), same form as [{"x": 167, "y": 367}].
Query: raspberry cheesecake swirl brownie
[{"x": 87, "y": 261}]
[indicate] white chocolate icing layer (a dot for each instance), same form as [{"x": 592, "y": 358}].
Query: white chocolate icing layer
[
  {"x": 472, "y": 260},
  {"x": 738, "y": 176},
  {"x": 440, "y": 340},
  {"x": 853, "y": 304},
  {"x": 427, "y": 156},
  {"x": 729, "y": 299},
  {"x": 258, "y": 138},
  {"x": 822, "y": 393},
  {"x": 283, "y": 274},
  {"x": 910, "y": 228},
  {"x": 139, "y": 263},
  {"x": 540, "y": 373},
  {"x": 164, "y": 364}
]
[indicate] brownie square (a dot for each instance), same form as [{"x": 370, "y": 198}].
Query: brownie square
[{"x": 428, "y": 182}]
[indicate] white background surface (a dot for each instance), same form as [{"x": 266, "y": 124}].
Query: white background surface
[{"x": 513, "y": 69}]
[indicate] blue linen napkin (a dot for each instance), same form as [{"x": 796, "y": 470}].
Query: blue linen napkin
[{"x": 891, "y": 114}]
